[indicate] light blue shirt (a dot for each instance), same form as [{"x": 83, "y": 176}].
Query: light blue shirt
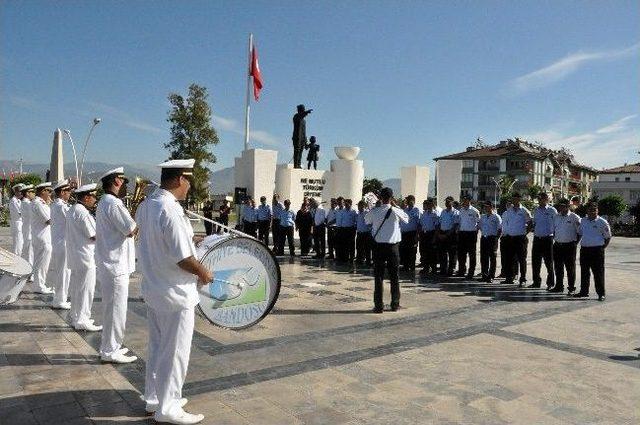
[
  {"x": 469, "y": 219},
  {"x": 287, "y": 218},
  {"x": 594, "y": 232},
  {"x": 277, "y": 210},
  {"x": 429, "y": 221},
  {"x": 331, "y": 216},
  {"x": 543, "y": 221},
  {"x": 349, "y": 218},
  {"x": 490, "y": 224},
  {"x": 566, "y": 227},
  {"x": 414, "y": 220},
  {"x": 264, "y": 212},
  {"x": 362, "y": 226},
  {"x": 448, "y": 219},
  {"x": 515, "y": 220},
  {"x": 339, "y": 216},
  {"x": 250, "y": 214}
]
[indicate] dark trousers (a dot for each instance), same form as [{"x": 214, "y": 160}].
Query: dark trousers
[
  {"x": 542, "y": 249},
  {"x": 331, "y": 240},
  {"x": 386, "y": 256},
  {"x": 447, "y": 244},
  {"x": 408, "y": 249},
  {"x": 319, "y": 233},
  {"x": 286, "y": 233},
  {"x": 503, "y": 259},
  {"x": 428, "y": 251},
  {"x": 263, "y": 231},
  {"x": 467, "y": 247},
  {"x": 350, "y": 243},
  {"x": 314, "y": 162},
  {"x": 249, "y": 228},
  {"x": 275, "y": 230},
  {"x": 297, "y": 156},
  {"x": 564, "y": 257},
  {"x": 516, "y": 250},
  {"x": 222, "y": 220},
  {"x": 488, "y": 255},
  {"x": 305, "y": 239},
  {"x": 363, "y": 246},
  {"x": 592, "y": 261},
  {"x": 208, "y": 227}
]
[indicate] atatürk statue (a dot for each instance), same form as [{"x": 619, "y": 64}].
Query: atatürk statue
[{"x": 299, "y": 135}]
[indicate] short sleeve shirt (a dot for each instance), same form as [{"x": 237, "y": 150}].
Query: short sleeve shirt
[
  {"x": 515, "y": 221},
  {"x": 490, "y": 225},
  {"x": 429, "y": 221},
  {"x": 566, "y": 227},
  {"x": 449, "y": 218},
  {"x": 543, "y": 221},
  {"x": 115, "y": 251},
  {"x": 414, "y": 220},
  {"x": 80, "y": 228},
  {"x": 594, "y": 232},
  {"x": 469, "y": 219}
]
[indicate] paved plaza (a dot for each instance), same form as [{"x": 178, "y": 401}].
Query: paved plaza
[{"x": 458, "y": 352}]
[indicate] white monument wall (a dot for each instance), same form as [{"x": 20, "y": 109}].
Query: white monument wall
[
  {"x": 414, "y": 181},
  {"x": 295, "y": 183},
  {"x": 256, "y": 170},
  {"x": 449, "y": 178},
  {"x": 347, "y": 178}
]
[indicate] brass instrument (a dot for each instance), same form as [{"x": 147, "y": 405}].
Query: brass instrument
[{"x": 138, "y": 195}]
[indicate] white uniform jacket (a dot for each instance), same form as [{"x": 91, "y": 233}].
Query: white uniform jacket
[
  {"x": 165, "y": 239},
  {"x": 26, "y": 210},
  {"x": 40, "y": 222},
  {"x": 59, "y": 211},
  {"x": 81, "y": 227},
  {"x": 15, "y": 213},
  {"x": 115, "y": 251}
]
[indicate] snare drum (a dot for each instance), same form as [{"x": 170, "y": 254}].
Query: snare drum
[{"x": 14, "y": 272}]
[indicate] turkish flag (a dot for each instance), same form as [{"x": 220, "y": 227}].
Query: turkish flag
[{"x": 255, "y": 73}]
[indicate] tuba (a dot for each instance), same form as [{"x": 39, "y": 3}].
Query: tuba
[{"x": 138, "y": 195}]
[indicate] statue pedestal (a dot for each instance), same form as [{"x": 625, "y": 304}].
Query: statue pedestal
[
  {"x": 295, "y": 183},
  {"x": 255, "y": 170}
]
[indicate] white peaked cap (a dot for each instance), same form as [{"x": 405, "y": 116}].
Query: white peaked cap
[
  {"x": 18, "y": 186},
  {"x": 119, "y": 170},
  {"x": 26, "y": 187},
  {"x": 178, "y": 163},
  {"x": 60, "y": 183},
  {"x": 42, "y": 185},
  {"x": 91, "y": 187}
]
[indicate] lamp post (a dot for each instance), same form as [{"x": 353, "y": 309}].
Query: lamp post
[
  {"x": 96, "y": 121},
  {"x": 495, "y": 193},
  {"x": 75, "y": 158}
]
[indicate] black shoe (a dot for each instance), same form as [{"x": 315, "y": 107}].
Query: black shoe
[
  {"x": 556, "y": 289},
  {"x": 376, "y": 310},
  {"x": 469, "y": 276},
  {"x": 508, "y": 282},
  {"x": 395, "y": 308},
  {"x": 580, "y": 295},
  {"x": 570, "y": 291},
  {"x": 482, "y": 279},
  {"x": 601, "y": 298},
  {"x": 459, "y": 274},
  {"x": 489, "y": 280},
  {"x": 533, "y": 285}
]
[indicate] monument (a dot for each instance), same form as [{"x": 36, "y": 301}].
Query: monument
[
  {"x": 448, "y": 180},
  {"x": 299, "y": 136},
  {"x": 414, "y": 181},
  {"x": 255, "y": 171},
  {"x": 56, "y": 168}
]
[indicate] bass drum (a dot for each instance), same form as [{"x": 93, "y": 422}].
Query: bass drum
[
  {"x": 14, "y": 272},
  {"x": 246, "y": 282}
]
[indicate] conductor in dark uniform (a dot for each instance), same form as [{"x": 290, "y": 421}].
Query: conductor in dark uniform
[
  {"x": 299, "y": 137},
  {"x": 312, "y": 156}
]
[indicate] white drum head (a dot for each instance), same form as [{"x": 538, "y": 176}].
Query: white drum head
[
  {"x": 13, "y": 264},
  {"x": 246, "y": 283}
]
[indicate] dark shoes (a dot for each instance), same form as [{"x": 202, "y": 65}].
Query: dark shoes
[
  {"x": 395, "y": 307},
  {"x": 580, "y": 295},
  {"x": 601, "y": 297},
  {"x": 469, "y": 276},
  {"x": 376, "y": 310},
  {"x": 533, "y": 285},
  {"x": 556, "y": 289}
]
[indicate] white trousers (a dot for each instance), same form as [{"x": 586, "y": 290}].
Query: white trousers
[
  {"x": 42, "y": 258},
  {"x": 27, "y": 249},
  {"x": 168, "y": 351},
  {"x": 83, "y": 285},
  {"x": 59, "y": 275},
  {"x": 17, "y": 238},
  {"x": 115, "y": 293}
]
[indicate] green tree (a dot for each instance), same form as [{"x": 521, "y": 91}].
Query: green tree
[
  {"x": 612, "y": 206},
  {"x": 534, "y": 191},
  {"x": 29, "y": 178},
  {"x": 192, "y": 135},
  {"x": 371, "y": 185}
]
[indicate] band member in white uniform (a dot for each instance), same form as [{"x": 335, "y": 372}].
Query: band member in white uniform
[
  {"x": 59, "y": 273},
  {"x": 115, "y": 261},
  {"x": 15, "y": 219},
  {"x": 41, "y": 234},
  {"x": 28, "y": 193},
  {"x": 170, "y": 276},
  {"x": 81, "y": 240}
]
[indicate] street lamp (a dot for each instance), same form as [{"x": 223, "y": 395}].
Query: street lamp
[
  {"x": 96, "y": 121},
  {"x": 495, "y": 194},
  {"x": 75, "y": 158}
]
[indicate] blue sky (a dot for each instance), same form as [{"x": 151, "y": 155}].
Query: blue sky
[{"x": 406, "y": 81}]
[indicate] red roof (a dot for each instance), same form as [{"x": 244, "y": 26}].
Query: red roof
[{"x": 627, "y": 168}]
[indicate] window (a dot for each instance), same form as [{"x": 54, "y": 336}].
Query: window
[
  {"x": 617, "y": 179},
  {"x": 467, "y": 163},
  {"x": 467, "y": 177},
  {"x": 634, "y": 195},
  {"x": 627, "y": 179}
]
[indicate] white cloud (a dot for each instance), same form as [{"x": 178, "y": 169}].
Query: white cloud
[
  {"x": 125, "y": 118},
  {"x": 607, "y": 146},
  {"x": 231, "y": 125},
  {"x": 566, "y": 66}
]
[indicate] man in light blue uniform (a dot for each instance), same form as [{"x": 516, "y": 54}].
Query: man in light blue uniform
[
  {"x": 264, "y": 220},
  {"x": 596, "y": 235},
  {"x": 250, "y": 218},
  {"x": 409, "y": 243},
  {"x": 542, "y": 249},
  {"x": 468, "y": 237},
  {"x": 491, "y": 229},
  {"x": 516, "y": 223},
  {"x": 276, "y": 209},
  {"x": 340, "y": 240},
  {"x": 363, "y": 240},
  {"x": 429, "y": 224},
  {"x": 447, "y": 235},
  {"x": 331, "y": 228},
  {"x": 287, "y": 225},
  {"x": 566, "y": 234}
]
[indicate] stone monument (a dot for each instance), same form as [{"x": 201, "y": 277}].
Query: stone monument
[
  {"x": 414, "y": 180},
  {"x": 56, "y": 167},
  {"x": 255, "y": 170},
  {"x": 448, "y": 179}
]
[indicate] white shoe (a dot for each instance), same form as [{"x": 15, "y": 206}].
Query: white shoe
[
  {"x": 43, "y": 291},
  {"x": 152, "y": 407},
  {"x": 123, "y": 350},
  {"x": 118, "y": 357},
  {"x": 62, "y": 306},
  {"x": 182, "y": 418},
  {"x": 88, "y": 327}
]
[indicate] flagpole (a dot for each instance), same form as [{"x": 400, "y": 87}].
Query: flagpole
[{"x": 248, "y": 98}]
